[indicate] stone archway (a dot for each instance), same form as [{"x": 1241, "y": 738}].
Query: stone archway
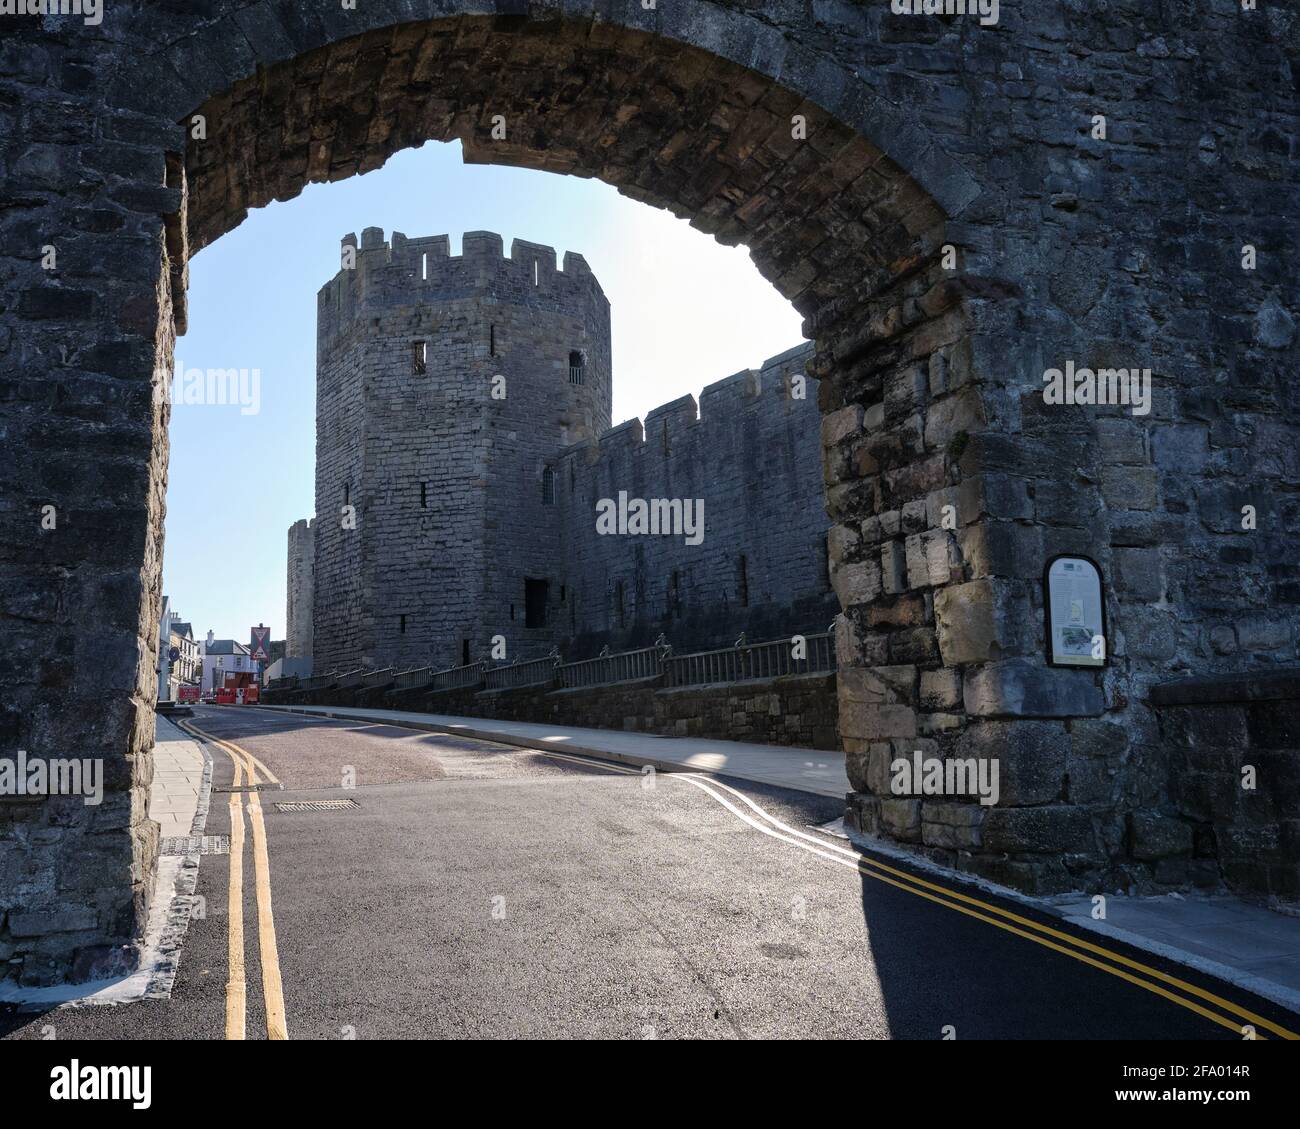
[{"x": 890, "y": 177}]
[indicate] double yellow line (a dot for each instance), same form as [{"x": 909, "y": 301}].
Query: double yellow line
[
  {"x": 1098, "y": 956},
  {"x": 247, "y": 765}
]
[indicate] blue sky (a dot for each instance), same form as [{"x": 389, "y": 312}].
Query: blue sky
[{"x": 685, "y": 312}]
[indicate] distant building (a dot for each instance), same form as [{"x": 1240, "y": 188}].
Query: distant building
[
  {"x": 188, "y": 668},
  {"x": 222, "y": 657}
]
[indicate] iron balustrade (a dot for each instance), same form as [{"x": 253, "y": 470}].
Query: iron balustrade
[
  {"x": 458, "y": 677},
  {"x": 538, "y": 672},
  {"x": 413, "y": 679},
  {"x": 352, "y": 679},
  {"x": 626, "y": 666},
  {"x": 748, "y": 661},
  {"x": 742, "y": 662}
]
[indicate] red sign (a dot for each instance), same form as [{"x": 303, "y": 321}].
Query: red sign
[
  {"x": 260, "y": 648},
  {"x": 187, "y": 693}
]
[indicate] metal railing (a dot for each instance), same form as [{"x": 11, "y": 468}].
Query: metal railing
[
  {"x": 626, "y": 666},
  {"x": 458, "y": 677},
  {"x": 319, "y": 682},
  {"x": 746, "y": 661},
  {"x": 742, "y": 662},
  {"x": 577, "y": 374},
  {"x": 412, "y": 679},
  {"x": 534, "y": 673},
  {"x": 352, "y": 679}
]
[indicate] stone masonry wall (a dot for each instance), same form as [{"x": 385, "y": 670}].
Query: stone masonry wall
[
  {"x": 797, "y": 710},
  {"x": 443, "y": 469},
  {"x": 1233, "y": 784},
  {"x": 749, "y": 455}
]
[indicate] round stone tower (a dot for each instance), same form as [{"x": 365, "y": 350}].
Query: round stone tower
[{"x": 446, "y": 388}]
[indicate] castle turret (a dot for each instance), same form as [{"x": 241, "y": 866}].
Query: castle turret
[{"x": 446, "y": 387}]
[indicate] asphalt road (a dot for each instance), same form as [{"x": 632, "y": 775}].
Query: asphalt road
[{"x": 479, "y": 890}]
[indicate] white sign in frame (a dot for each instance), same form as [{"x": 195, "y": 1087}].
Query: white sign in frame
[{"x": 1075, "y": 611}]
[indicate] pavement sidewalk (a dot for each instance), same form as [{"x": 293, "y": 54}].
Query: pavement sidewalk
[
  {"x": 177, "y": 780},
  {"x": 820, "y": 771},
  {"x": 1245, "y": 944}
]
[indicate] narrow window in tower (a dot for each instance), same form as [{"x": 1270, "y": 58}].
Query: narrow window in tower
[
  {"x": 562, "y": 593},
  {"x": 401, "y": 624},
  {"x": 464, "y": 652},
  {"x": 424, "y": 265},
  {"x": 573, "y": 477},
  {"x": 577, "y": 367},
  {"x": 675, "y": 594},
  {"x": 663, "y": 438},
  {"x": 618, "y": 602},
  {"x": 347, "y": 493},
  {"x": 534, "y": 602},
  {"x": 742, "y": 580},
  {"x": 537, "y": 272},
  {"x": 424, "y": 495},
  {"x": 419, "y": 357},
  {"x": 548, "y": 486},
  {"x": 512, "y": 613},
  {"x": 492, "y": 340}
]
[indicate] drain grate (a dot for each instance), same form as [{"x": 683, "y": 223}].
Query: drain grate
[
  {"x": 196, "y": 845},
  {"x": 316, "y": 805}
]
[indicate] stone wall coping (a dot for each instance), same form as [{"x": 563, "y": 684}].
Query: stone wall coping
[{"x": 1220, "y": 689}]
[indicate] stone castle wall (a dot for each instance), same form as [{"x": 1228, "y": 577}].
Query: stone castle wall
[
  {"x": 428, "y": 485},
  {"x": 749, "y": 454},
  {"x": 482, "y": 475}
]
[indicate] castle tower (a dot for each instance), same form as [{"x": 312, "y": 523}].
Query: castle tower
[
  {"x": 446, "y": 388},
  {"x": 298, "y": 598}
]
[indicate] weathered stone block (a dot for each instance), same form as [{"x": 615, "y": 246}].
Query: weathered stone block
[
  {"x": 840, "y": 425},
  {"x": 1050, "y": 830},
  {"x": 983, "y": 621},
  {"x": 57, "y": 919},
  {"x": 901, "y": 819},
  {"x": 893, "y": 567},
  {"x": 1153, "y": 836},
  {"x": 1030, "y": 755},
  {"x": 1139, "y": 574},
  {"x": 871, "y": 722},
  {"x": 856, "y": 584},
  {"x": 1024, "y": 688},
  {"x": 955, "y": 826},
  {"x": 940, "y": 689},
  {"x": 1129, "y": 488}
]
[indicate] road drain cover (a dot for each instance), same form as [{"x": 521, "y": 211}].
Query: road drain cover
[
  {"x": 196, "y": 845},
  {"x": 316, "y": 805}
]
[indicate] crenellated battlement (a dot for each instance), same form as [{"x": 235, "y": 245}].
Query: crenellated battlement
[
  {"x": 402, "y": 270},
  {"x": 769, "y": 389}
]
